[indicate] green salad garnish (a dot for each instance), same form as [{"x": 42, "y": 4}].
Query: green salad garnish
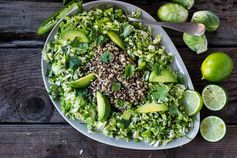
[{"x": 113, "y": 75}]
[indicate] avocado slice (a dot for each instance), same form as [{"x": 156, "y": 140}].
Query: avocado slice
[
  {"x": 165, "y": 76},
  {"x": 116, "y": 39},
  {"x": 72, "y": 34},
  {"x": 127, "y": 114},
  {"x": 83, "y": 81},
  {"x": 152, "y": 107},
  {"x": 103, "y": 106}
]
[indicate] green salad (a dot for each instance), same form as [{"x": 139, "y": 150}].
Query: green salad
[{"x": 114, "y": 76}]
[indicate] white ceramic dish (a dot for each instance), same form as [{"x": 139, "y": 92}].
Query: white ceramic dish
[{"x": 177, "y": 65}]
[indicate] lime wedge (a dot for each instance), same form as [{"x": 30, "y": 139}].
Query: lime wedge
[
  {"x": 214, "y": 97},
  {"x": 213, "y": 128},
  {"x": 192, "y": 101}
]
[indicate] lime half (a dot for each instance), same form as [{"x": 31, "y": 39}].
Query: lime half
[
  {"x": 214, "y": 97},
  {"x": 192, "y": 101},
  {"x": 213, "y": 128}
]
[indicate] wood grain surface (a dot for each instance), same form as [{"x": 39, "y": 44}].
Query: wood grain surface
[
  {"x": 62, "y": 141},
  {"x": 30, "y": 126},
  {"x": 23, "y": 18}
]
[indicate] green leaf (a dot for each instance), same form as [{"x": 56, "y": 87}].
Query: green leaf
[
  {"x": 120, "y": 103},
  {"x": 127, "y": 30},
  {"x": 173, "y": 109},
  {"x": 157, "y": 69},
  {"x": 116, "y": 86},
  {"x": 160, "y": 93},
  {"x": 74, "y": 63},
  {"x": 196, "y": 43},
  {"x": 101, "y": 40},
  {"x": 83, "y": 48},
  {"x": 75, "y": 43},
  {"x": 106, "y": 57},
  {"x": 181, "y": 78},
  {"x": 129, "y": 70},
  {"x": 82, "y": 92},
  {"x": 64, "y": 49}
]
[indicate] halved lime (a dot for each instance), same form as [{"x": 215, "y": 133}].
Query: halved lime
[
  {"x": 214, "y": 97},
  {"x": 192, "y": 101},
  {"x": 213, "y": 128}
]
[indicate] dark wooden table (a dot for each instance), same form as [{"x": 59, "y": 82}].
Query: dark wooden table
[{"x": 31, "y": 127}]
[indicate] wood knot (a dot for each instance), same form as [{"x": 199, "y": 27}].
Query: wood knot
[{"x": 35, "y": 107}]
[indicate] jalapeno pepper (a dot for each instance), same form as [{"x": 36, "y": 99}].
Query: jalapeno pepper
[{"x": 49, "y": 23}]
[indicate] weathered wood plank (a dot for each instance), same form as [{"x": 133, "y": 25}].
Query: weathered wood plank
[
  {"x": 59, "y": 141},
  {"x": 199, "y": 148},
  {"x": 63, "y": 141},
  {"x": 23, "y": 18},
  {"x": 23, "y": 97}
]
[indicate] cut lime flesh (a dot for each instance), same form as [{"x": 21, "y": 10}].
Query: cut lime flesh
[
  {"x": 192, "y": 101},
  {"x": 214, "y": 97},
  {"x": 213, "y": 128}
]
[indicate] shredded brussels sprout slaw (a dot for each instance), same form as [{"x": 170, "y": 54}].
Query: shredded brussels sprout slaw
[{"x": 68, "y": 59}]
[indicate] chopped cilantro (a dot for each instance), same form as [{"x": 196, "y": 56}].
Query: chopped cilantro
[
  {"x": 129, "y": 70},
  {"x": 106, "y": 57},
  {"x": 101, "y": 40},
  {"x": 74, "y": 63},
  {"x": 116, "y": 86}
]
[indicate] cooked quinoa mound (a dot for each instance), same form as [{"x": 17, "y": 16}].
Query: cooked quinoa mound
[{"x": 131, "y": 89}]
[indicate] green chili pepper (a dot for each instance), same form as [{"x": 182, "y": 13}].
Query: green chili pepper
[{"x": 49, "y": 23}]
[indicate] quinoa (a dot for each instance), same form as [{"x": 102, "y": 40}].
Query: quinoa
[{"x": 132, "y": 89}]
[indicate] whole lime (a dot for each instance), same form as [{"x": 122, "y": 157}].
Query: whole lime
[{"x": 217, "y": 67}]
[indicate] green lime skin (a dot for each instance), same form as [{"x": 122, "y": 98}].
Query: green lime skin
[{"x": 217, "y": 67}]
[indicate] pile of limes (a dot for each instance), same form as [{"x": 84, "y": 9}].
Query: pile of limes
[{"x": 215, "y": 68}]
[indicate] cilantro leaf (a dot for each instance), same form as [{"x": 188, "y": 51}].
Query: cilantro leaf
[
  {"x": 74, "y": 63},
  {"x": 173, "y": 109},
  {"x": 64, "y": 49},
  {"x": 129, "y": 70},
  {"x": 127, "y": 30},
  {"x": 116, "y": 86},
  {"x": 82, "y": 92},
  {"x": 106, "y": 57},
  {"x": 160, "y": 93},
  {"x": 101, "y": 40},
  {"x": 83, "y": 48}
]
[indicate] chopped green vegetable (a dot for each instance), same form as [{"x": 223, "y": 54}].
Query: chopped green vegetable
[
  {"x": 106, "y": 57},
  {"x": 171, "y": 12},
  {"x": 208, "y": 18},
  {"x": 196, "y": 43},
  {"x": 116, "y": 39},
  {"x": 185, "y": 3},
  {"x": 49, "y": 23},
  {"x": 74, "y": 63},
  {"x": 129, "y": 70},
  {"x": 101, "y": 39},
  {"x": 116, "y": 86},
  {"x": 83, "y": 81},
  {"x": 128, "y": 29}
]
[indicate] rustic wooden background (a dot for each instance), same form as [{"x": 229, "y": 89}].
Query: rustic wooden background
[{"x": 31, "y": 127}]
